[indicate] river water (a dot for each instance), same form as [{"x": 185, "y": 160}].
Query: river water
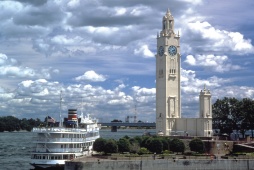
[{"x": 15, "y": 147}]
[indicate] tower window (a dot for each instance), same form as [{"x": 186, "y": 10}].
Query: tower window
[{"x": 164, "y": 24}]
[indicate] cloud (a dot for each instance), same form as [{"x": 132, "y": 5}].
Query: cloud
[
  {"x": 10, "y": 68},
  {"x": 144, "y": 95},
  {"x": 219, "y": 41},
  {"x": 39, "y": 16},
  {"x": 216, "y": 63},
  {"x": 191, "y": 84},
  {"x": 143, "y": 51},
  {"x": 91, "y": 76}
]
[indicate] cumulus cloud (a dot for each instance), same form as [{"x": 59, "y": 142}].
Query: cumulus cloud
[
  {"x": 190, "y": 83},
  {"x": 144, "y": 95},
  {"x": 219, "y": 41},
  {"x": 144, "y": 51},
  {"x": 216, "y": 63},
  {"x": 91, "y": 76},
  {"x": 10, "y": 68}
]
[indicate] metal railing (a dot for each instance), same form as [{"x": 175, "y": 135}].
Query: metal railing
[
  {"x": 58, "y": 150},
  {"x": 63, "y": 140}
]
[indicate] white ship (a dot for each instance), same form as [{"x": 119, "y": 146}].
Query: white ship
[{"x": 55, "y": 145}]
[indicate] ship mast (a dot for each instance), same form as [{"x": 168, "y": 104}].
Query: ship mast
[
  {"x": 60, "y": 113},
  {"x": 81, "y": 115}
]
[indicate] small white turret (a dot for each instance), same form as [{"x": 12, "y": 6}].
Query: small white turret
[{"x": 205, "y": 109}]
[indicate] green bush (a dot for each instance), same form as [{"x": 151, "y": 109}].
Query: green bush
[
  {"x": 155, "y": 146},
  {"x": 110, "y": 147},
  {"x": 145, "y": 141},
  {"x": 167, "y": 152},
  {"x": 197, "y": 145},
  {"x": 134, "y": 147},
  {"x": 99, "y": 144},
  {"x": 123, "y": 145},
  {"x": 143, "y": 151},
  {"x": 176, "y": 145}
]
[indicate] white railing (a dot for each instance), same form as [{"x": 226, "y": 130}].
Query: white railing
[
  {"x": 89, "y": 139},
  {"x": 58, "y": 150},
  {"x": 36, "y": 139},
  {"x": 57, "y": 129},
  {"x": 63, "y": 140}
]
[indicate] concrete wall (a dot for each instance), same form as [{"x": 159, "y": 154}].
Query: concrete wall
[
  {"x": 192, "y": 126},
  {"x": 163, "y": 164}
]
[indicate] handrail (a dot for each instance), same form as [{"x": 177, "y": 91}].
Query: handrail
[{"x": 58, "y": 129}]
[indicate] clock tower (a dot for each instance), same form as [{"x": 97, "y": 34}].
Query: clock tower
[{"x": 168, "y": 93}]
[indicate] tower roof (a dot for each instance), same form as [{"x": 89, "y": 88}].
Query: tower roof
[
  {"x": 205, "y": 91},
  {"x": 168, "y": 15}
]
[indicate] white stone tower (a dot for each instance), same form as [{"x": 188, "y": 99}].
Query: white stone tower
[
  {"x": 168, "y": 95},
  {"x": 205, "y": 112},
  {"x": 205, "y": 108}
]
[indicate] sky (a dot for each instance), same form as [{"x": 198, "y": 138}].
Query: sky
[{"x": 100, "y": 55}]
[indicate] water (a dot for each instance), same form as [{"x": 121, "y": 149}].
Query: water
[
  {"x": 15, "y": 150},
  {"x": 15, "y": 147}
]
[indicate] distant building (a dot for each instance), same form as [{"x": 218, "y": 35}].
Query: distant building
[{"x": 168, "y": 89}]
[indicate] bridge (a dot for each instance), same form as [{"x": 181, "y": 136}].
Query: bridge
[{"x": 114, "y": 125}]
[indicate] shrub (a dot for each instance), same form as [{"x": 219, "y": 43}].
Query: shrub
[
  {"x": 123, "y": 145},
  {"x": 138, "y": 138},
  {"x": 143, "y": 151},
  {"x": 110, "y": 147},
  {"x": 155, "y": 146},
  {"x": 197, "y": 145},
  {"x": 145, "y": 141},
  {"x": 176, "y": 145},
  {"x": 99, "y": 144},
  {"x": 134, "y": 148},
  {"x": 165, "y": 141},
  {"x": 167, "y": 152}
]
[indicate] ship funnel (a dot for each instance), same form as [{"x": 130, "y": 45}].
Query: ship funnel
[{"x": 72, "y": 115}]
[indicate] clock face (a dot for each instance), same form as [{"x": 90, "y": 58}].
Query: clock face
[
  {"x": 172, "y": 50},
  {"x": 161, "y": 51}
]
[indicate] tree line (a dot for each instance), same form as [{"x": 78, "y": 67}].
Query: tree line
[
  {"x": 11, "y": 123},
  {"x": 146, "y": 144},
  {"x": 233, "y": 114}
]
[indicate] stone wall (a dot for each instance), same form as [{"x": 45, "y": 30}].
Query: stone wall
[{"x": 163, "y": 164}]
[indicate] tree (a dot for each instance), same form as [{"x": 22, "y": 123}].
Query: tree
[
  {"x": 145, "y": 141},
  {"x": 99, "y": 144},
  {"x": 166, "y": 143},
  {"x": 110, "y": 147},
  {"x": 227, "y": 115},
  {"x": 134, "y": 144},
  {"x": 176, "y": 145},
  {"x": 138, "y": 139},
  {"x": 197, "y": 145},
  {"x": 248, "y": 112},
  {"x": 10, "y": 123},
  {"x": 116, "y": 120},
  {"x": 123, "y": 145},
  {"x": 155, "y": 146},
  {"x": 233, "y": 114}
]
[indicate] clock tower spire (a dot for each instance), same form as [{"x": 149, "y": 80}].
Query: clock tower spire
[
  {"x": 168, "y": 95},
  {"x": 167, "y": 24}
]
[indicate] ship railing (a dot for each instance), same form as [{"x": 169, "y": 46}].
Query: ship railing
[
  {"x": 89, "y": 139},
  {"x": 55, "y": 129},
  {"x": 93, "y": 129},
  {"x": 58, "y": 150},
  {"x": 36, "y": 139}
]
